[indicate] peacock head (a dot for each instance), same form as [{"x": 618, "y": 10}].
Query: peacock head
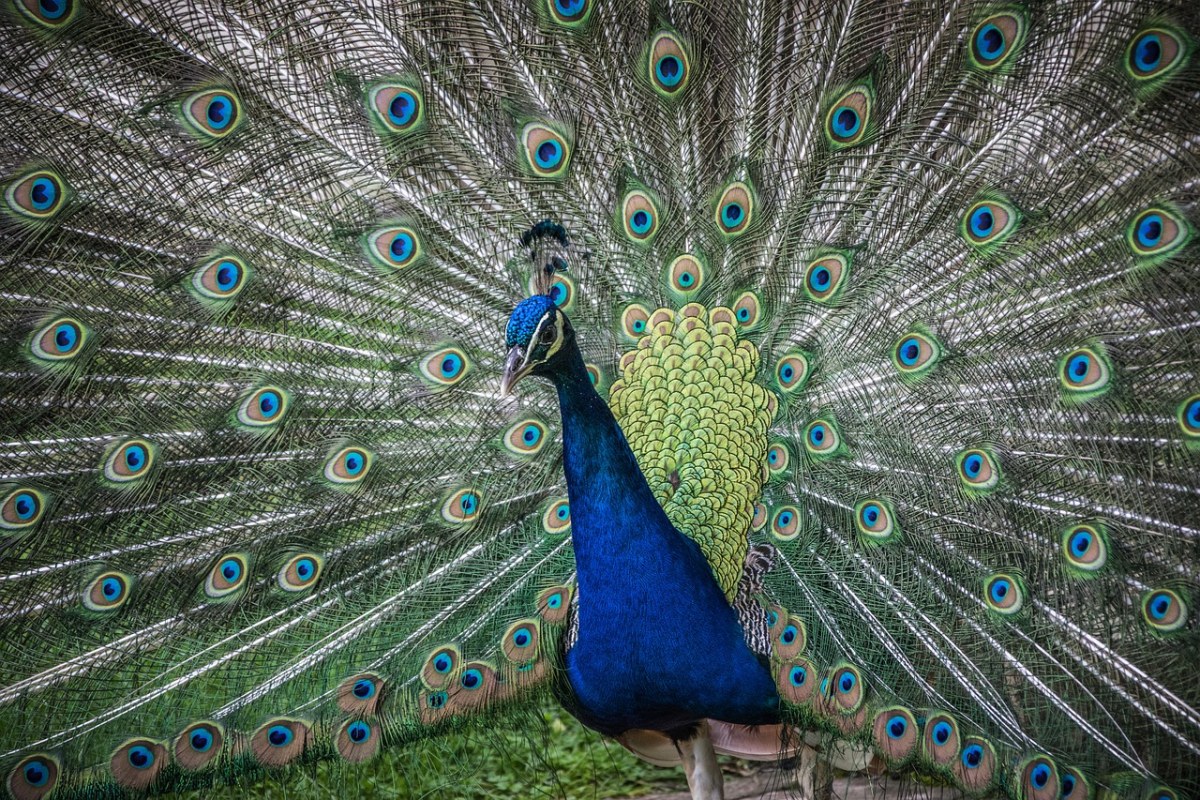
[{"x": 537, "y": 335}]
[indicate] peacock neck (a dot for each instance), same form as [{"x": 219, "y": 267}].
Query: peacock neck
[{"x": 605, "y": 486}]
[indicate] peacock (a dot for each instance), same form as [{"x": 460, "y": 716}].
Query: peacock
[{"x": 785, "y": 379}]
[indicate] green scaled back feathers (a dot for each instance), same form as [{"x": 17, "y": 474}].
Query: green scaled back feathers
[{"x": 907, "y": 290}]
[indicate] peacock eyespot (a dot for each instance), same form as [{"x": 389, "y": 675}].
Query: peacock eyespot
[
  {"x": 825, "y": 277},
  {"x": 60, "y": 340},
  {"x": 1164, "y": 610},
  {"x": 53, "y": 14},
  {"x": 1085, "y": 547},
  {"x": 556, "y": 519},
  {"x": 34, "y": 777},
  {"x": 777, "y": 459},
  {"x": 1157, "y": 232},
  {"x": 525, "y": 438},
  {"x": 22, "y": 507},
  {"x": 989, "y": 222},
  {"x": 1084, "y": 373},
  {"x": 397, "y": 108},
  {"x": 571, "y": 13},
  {"x": 639, "y": 216},
  {"x": 1155, "y": 53},
  {"x": 227, "y": 576},
  {"x": 214, "y": 114},
  {"x": 978, "y": 470},
  {"x": 747, "y": 310},
  {"x": 220, "y": 279},
  {"x": 444, "y": 368},
  {"x": 393, "y": 247},
  {"x": 356, "y": 741},
  {"x": 462, "y": 506},
  {"x": 136, "y": 764},
  {"x": 547, "y": 152},
  {"x": 1039, "y": 778},
  {"x": 129, "y": 461},
  {"x": 848, "y": 694},
  {"x": 996, "y": 39},
  {"x": 300, "y": 573},
  {"x": 848, "y": 119},
  {"x": 785, "y": 524},
  {"x": 107, "y": 592},
  {"x": 264, "y": 407},
  {"x": 669, "y": 64},
  {"x": 36, "y": 195},
  {"x": 916, "y": 353},
  {"x": 1004, "y": 594},
  {"x": 821, "y": 439},
  {"x": 874, "y": 520},
  {"x": 635, "y": 321},
  {"x": 792, "y": 371},
  {"x": 685, "y": 274},
  {"x": 798, "y": 676},
  {"x": 735, "y": 209},
  {"x": 348, "y": 466}
]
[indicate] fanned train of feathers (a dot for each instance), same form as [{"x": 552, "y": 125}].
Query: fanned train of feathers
[{"x": 260, "y": 502}]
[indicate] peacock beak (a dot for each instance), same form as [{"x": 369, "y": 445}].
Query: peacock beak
[{"x": 516, "y": 366}]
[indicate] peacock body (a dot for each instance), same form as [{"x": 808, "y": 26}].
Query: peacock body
[{"x": 856, "y": 360}]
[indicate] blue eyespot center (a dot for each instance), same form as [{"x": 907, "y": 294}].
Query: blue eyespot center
[
  {"x": 549, "y": 154},
  {"x": 669, "y": 70},
  {"x": 402, "y": 247},
  {"x": 112, "y": 588},
  {"x": 732, "y": 214},
  {"x": 220, "y": 111},
  {"x": 231, "y": 570},
  {"x": 403, "y": 108},
  {"x": 1147, "y": 53},
  {"x": 472, "y": 679},
  {"x": 821, "y": 278},
  {"x": 451, "y": 365},
  {"x": 569, "y": 8},
  {"x": 972, "y": 756},
  {"x": 364, "y": 689},
  {"x": 227, "y": 275},
  {"x": 200, "y": 741},
  {"x": 640, "y": 221},
  {"x": 65, "y": 337},
  {"x": 941, "y": 732},
  {"x": 52, "y": 9},
  {"x": 358, "y": 732},
  {"x": 817, "y": 435},
  {"x": 846, "y": 122},
  {"x": 140, "y": 757},
  {"x": 846, "y": 682},
  {"x": 1150, "y": 230},
  {"x": 871, "y": 514},
  {"x": 442, "y": 664},
  {"x": 554, "y": 601},
  {"x": 982, "y": 221},
  {"x": 990, "y": 42},
  {"x": 1039, "y": 776},
  {"x": 37, "y": 773},
  {"x": 785, "y": 519},
  {"x": 685, "y": 279},
  {"x": 135, "y": 457},
  {"x": 973, "y": 465},
  {"x": 521, "y": 637},
  {"x": 468, "y": 502},
  {"x": 437, "y": 699},
  {"x": 43, "y": 193},
  {"x": 789, "y": 634},
  {"x": 26, "y": 506},
  {"x": 268, "y": 404},
  {"x": 1068, "y": 785},
  {"x": 1160, "y": 605},
  {"x": 1193, "y": 414},
  {"x": 798, "y": 676},
  {"x": 305, "y": 568},
  {"x": 1081, "y": 542},
  {"x": 910, "y": 350},
  {"x": 787, "y": 373},
  {"x": 280, "y": 735}
]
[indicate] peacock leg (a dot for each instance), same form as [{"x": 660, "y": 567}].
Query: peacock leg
[{"x": 700, "y": 765}]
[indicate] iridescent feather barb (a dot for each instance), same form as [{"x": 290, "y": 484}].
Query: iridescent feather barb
[{"x": 906, "y": 292}]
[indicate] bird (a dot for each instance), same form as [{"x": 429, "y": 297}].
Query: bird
[{"x": 771, "y": 378}]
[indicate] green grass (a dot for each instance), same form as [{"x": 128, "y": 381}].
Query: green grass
[{"x": 548, "y": 757}]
